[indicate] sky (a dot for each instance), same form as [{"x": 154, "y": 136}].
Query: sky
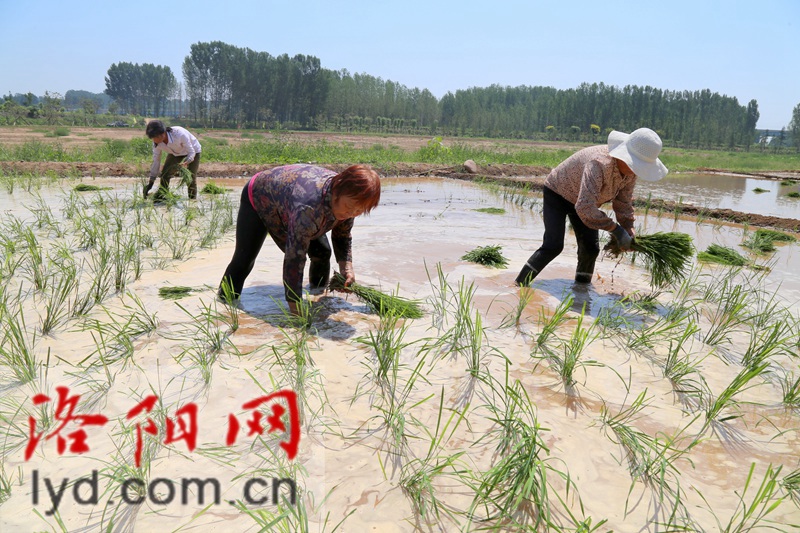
[{"x": 743, "y": 49}]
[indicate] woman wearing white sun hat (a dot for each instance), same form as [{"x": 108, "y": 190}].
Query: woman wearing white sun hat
[{"x": 577, "y": 188}]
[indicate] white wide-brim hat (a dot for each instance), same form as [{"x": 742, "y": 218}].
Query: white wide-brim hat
[{"x": 640, "y": 151}]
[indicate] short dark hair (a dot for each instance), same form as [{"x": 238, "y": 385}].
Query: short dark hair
[
  {"x": 155, "y": 128},
  {"x": 359, "y": 182}
]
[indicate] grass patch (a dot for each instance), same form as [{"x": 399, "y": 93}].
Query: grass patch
[
  {"x": 174, "y": 293},
  {"x": 487, "y": 256},
  {"x": 382, "y": 303}
]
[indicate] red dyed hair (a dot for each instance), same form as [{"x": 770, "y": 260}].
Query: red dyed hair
[{"x": 359, "y": 182}]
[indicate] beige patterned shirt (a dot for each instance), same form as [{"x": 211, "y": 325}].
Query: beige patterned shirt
[{"x": 589, "y": 178}]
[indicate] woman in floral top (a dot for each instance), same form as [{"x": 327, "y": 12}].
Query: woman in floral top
[
  {"x": 577, "y": 188},
  {"x": 297, "y": 205}
]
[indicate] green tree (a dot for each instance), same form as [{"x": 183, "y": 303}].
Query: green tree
[{"x": 794, "y": 127}]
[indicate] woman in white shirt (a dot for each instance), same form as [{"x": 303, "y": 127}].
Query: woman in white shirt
[{"x": 182, "y": 149}]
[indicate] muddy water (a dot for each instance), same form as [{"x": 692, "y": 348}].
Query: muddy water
[
  {"x": 344, "y": 453},
  {"x": 726, "y": 192}
]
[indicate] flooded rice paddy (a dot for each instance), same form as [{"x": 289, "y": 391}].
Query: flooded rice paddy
[{"x": 556, "y": 408}]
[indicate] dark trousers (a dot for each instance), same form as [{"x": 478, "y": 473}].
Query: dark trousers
[
  {"x": 556, "y": 210},
  {"x": 250, "y": 235},
  {"x": 171, "y": 167}
]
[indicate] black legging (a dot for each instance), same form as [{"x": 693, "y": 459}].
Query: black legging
[
  {"x": 555, "y": 211},
  {"x": 250, "y": 235}
]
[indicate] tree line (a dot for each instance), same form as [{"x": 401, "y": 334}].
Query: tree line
[{"x": 228, "y": 86}]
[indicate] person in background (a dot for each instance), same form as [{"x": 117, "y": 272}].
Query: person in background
[
  {"x": 297, "y": 205},
  {"x": 576, "y": 189},
  {"x": 182, "y": 149}
]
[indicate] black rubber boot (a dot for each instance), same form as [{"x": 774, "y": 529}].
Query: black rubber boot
[
  {"x": 319, "y": 273},
  {"x": 526, "y": 275}
]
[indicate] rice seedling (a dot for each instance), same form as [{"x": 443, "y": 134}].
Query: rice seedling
[
  {"x": 231, "y": 303},
  {"x": 749, "y": 515},
  {"x": 514, "y": 316},
  {"x": 174, "y": 292},
  {"x": 34, "y": 269},
  {"x": 5, "y": 484},
  {"x": 785, "y": 183},
  {"x": 387, "y": 344},
  {"x": 729, "y": 315},
  {"x": 487, "y": 256},
  {"x": 206, "y": 339},
  {"x": 722, "y": 255},
  {"x": 767, "y": 343},
  {"x": 726, "y": 400},
  {"x": 635, "y": 444},
  {"x": 566, "y": 364},
  {"x": 759, "y": 190},
  {"x": 790, "y": 390},
  {"x": 44, "y": 217},
  {"x": 17, "y": 351},
  {"x": 56, "y": 302},
  {"x": 549, "y": 324},
  {"x": 516, "y": 492},
  {"x": 791, "y": 486},
  {"x": 666, "y": 255},
  {"x": 417, "y": 476},
  {"x": 440, "y": 296},
  {"x": 379, "y": 302},
  {"x": 793, "y": 194},
  {"x": 682, "y": 372},
  {"x": 664, "y": 328},
  {"x": 211, "y": 188}
]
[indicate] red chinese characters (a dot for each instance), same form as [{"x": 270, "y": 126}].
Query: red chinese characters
[
  {"x": 183, "y": 427},
  {"x": 64, "y": 414},
  {"x": 274, "y": 420}
]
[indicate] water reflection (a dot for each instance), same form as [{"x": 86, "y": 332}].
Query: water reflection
[{"x": 726, "y": 192}]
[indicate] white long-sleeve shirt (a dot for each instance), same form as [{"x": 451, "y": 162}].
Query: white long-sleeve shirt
[{"x": 179, "y": 142}]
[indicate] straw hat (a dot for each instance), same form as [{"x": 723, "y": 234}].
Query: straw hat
[{"x": 640, "y": 151}]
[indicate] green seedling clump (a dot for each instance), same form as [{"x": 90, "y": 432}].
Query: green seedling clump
[
  {"x": 759, "y": 190},
  {"x": 775, "y": 236},
  {"x": 487, "y": 255},
  {"x": 666, "y": 255},
  {"x": 492, "y": 210},
  {"x": 84, "y": 187},
  {"x": 381, "y": 303},
  {"x": 211, "y": 188},
  {"x": 793, "y": 194},
  {"x": 722, "y": 255},
  {"x": 174, "y": 293}
]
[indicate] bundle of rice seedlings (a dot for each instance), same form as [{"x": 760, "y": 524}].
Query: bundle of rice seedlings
[
  {"x": 793, "y": 194},
  {"x": 174, "y": 293},
  {"x": 185, "y": 174},
  {"x": 381, "y": 303},
  {"x": 487, "y": 255},
  {"x": 84, "y": 187},
  {"x": 722, "y": 255},
  {"x": 491, "y": 210},
  {"x": 775, "y": 236},
  {"x": 759, "y": 190},
  {"x": 211, "y": 188},
  {"x": 666, "y": 255}
]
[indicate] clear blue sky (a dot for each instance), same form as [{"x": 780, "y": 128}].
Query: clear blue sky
[{"x": 747, "y": 49}]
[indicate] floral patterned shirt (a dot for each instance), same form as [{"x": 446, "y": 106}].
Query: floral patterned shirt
[
  {"x": 589, "y": 178},
  {"x": 295, "y": 204}
]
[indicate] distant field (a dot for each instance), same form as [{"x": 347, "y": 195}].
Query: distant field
[{"x": 129, "y": 145}]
